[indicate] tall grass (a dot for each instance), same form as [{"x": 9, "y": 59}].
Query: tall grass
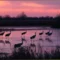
[{"x": 25, "y": 54}]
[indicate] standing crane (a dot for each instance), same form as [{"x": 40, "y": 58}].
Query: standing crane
[
  {"x": 7, "y": 44},
  {"x": 7, "y": 36},
  {"x": 18, "y": 45},
  {"x": 32, "y": 45},
  {"x": 41, "y": 33},
  {"x": 32, "y": 37},
  {"x": 1, "y": 34},
  {"x": 48, "y": 35},
  {"x": 1, "y": 41},
  {"x": 23, "y": 33}
]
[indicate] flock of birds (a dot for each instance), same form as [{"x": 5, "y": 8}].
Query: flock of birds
[
  {"x": 23, "y": 39},
  {"x": 6, "y": 35},
  {"x": 32, "y": 45}
]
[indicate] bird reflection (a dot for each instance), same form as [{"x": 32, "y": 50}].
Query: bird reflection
[{"x": 49, "y": 40}]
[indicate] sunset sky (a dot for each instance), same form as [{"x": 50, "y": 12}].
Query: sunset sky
[{"x": 34, "y": 8}]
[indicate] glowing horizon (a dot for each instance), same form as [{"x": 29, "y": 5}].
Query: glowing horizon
[{"x": 31, "y": 8}]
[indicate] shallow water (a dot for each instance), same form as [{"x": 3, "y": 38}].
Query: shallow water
[{"x": 16, "y": 36}]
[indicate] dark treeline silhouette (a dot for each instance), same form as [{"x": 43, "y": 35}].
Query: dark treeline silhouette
[{"x": 23, "y": 20}]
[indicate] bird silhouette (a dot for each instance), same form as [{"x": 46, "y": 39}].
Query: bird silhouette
[
  {"x": 8, "y": 34},
  {"x": 23, "y": 33},
  {"x": 41, "y": 33},
  {"x": 1, "y": 33},
  {"x": 32, "y": 37},
  {"x": 19, "y": 44},
  {"x": 49, "y": 33}
]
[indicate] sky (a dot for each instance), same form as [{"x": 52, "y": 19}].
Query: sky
[{"x": 32, "y": 8}]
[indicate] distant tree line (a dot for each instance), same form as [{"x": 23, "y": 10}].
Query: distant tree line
[{"x": 23, "y": 20}]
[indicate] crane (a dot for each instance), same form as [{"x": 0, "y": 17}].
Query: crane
[
  {"x": 48, "y": 33},
  {"x": 23, "y": 33},
  {"x": 41, "y": 33},
  {"x": 1, "y": 41},
  {"x": 8, "y": 34},
  {"x": 7, "y": 41},
  {"x": 33, "y": 36},
  {"x": 19, "y": 44},
  {"x": 1, "y": 34}
]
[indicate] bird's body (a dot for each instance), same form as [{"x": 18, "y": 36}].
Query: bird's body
[
  {"x": 23, "y": 33},
  {"x": 41, "y": 33},
  {"x": 8, "y": 34},
  {"x": 7, "y": 37},
  {"x": 18, "y": 45},
  {"x": 1, "y": 33},
  {"x": 32, "y": 37},
  {"x": 32, "y": 45},
  {"x": 49, "y": 33}
]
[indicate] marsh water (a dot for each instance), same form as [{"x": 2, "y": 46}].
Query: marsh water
[{"x": 39, "y": 40}]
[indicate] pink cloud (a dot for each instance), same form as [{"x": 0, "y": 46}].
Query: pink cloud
[{"x": 13, "y": 8}]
